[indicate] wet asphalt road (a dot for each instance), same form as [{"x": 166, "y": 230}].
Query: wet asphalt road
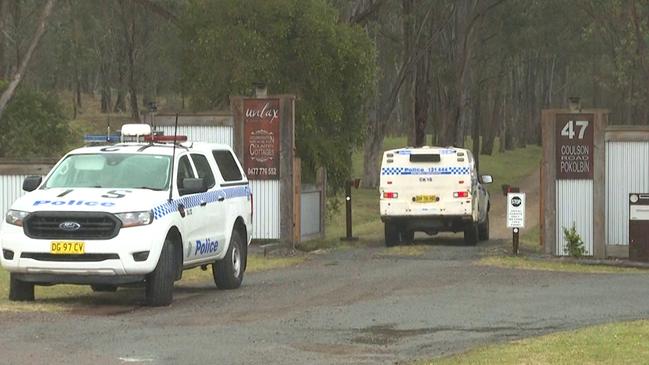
[{"x": 345, "y": 307}]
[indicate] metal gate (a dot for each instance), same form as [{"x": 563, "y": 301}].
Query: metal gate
[
  {"x": 575, "y": 206},
  {"x": 627, "y": 171}
]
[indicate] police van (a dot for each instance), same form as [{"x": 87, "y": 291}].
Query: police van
[
  {"x": 131, "y": 213},
  {"x": 431, "y": 190}
]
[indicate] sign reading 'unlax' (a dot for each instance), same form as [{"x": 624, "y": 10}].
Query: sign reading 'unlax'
[
  {"x": 261, "y": 138},
  {"x": 574, "y": 146}
]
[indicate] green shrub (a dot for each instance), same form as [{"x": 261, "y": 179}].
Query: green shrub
[
  {"x": 33, "y": 125},
  {"x": 574, "y": 243}
]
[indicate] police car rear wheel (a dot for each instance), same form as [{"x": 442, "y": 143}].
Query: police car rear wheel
[
  {"x": 471, "y": 234},
  {"x": 20, "y": 290},
  {"x": 408, "y": 236},
  {"x": 391, "y": 234},
  {"x": 160, "y": 283},
  {"x": 228, "y": 272}
]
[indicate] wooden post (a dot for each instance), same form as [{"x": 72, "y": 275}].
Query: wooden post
[
  {"x": 548, "y": 189},
  {"x": 286, "y": 170},
  {"x": 549, "y": 179},
  {"x": 297, "y": 201},
  {"x": 321, "y": 184}
]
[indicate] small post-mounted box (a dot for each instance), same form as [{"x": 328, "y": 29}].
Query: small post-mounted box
[{"x": 639, "y": 227}]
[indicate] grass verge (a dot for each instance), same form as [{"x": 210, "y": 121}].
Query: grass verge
[
  {"x": 523, "y": 263},
  {"x": 616, "y": 343},
  {"x": 64, "y": 297}
]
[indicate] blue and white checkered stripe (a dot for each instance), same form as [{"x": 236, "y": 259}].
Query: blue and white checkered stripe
[
  {"x": 196, "y": 199},
  {"x": 425, "y": 171}
]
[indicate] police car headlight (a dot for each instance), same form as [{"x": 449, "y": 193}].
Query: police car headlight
[
  {"x": 133, "y": 219},
  {"x": 16, "y": 217}
]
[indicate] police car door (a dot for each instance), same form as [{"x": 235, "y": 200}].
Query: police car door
[
  {"x": 189, "y": 208},
  {"x": 212, "y": 213}
]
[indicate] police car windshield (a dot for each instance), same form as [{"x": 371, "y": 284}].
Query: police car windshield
[{"x": 112, "y": 170}]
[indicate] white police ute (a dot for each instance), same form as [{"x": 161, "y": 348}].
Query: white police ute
[
  {"x": 131, "y": 213},
  {"x": 431, "y": 190}
]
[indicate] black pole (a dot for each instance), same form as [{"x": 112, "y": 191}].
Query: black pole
[
  {"x": 348, "y": 212},
  {"x": 348, "y": 208},
  {"x": 515, "y": 241}
]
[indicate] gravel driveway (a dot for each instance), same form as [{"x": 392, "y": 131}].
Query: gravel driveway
[{"x": 343, "y": 307}]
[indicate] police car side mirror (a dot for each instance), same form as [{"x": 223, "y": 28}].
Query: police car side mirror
[
  {"x": 193, "y": 186},
  {"x": 32, "y": 183},
  {"x": 487, "y": 179}
]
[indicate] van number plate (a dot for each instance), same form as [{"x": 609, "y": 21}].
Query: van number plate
[
  {"x": 425, "y": 199},
  {"x": 67, "y": 248}
]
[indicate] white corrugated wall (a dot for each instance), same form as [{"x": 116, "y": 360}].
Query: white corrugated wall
[
  {"x": 266, "y": 192},
  {"x": 11, "y": 188},
  {"x": 575, "y": 205},
  {"x": 212, "y": 134},
  {"x": 265, "y": 218},
  {"x": 310, "y": 212},
  {"x": 627, "y": 171}
]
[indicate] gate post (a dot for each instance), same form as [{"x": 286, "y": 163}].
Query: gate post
[
  {"x": 264, "y": 142},
  {"x": 574, "y": 177}
]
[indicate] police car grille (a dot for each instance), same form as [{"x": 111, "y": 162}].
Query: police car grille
[
  {"x": 93, "y": 225},
  {"x": 88, "y": 257}
]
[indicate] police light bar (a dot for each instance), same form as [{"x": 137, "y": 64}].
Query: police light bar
[
  {"x": 101, "y": 138},
  {"x": 158, "y": 138},
  {"x": 136, "y": 130}
]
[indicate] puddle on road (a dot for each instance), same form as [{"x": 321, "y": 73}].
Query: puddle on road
[{"x": 386, "y": 335}]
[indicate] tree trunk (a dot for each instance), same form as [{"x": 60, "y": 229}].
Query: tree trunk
[
  {"x": 129, "y": 29},
  {"x": 407, "y": 91},
  {"x": 17, "y": 77},
  {"x": 422, "y": 101},
  {"x": 3, "y": 39},
  {"x": 475, "y": 131},
  {"x": 372, "y": 152},
  {"x": 75, "y": 60},
  {"x": 104, "y": 81}
]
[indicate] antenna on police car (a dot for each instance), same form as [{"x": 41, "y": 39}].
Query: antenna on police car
[{"x": 173, "y": 158}]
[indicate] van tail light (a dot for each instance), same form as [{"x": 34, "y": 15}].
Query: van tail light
[
  {"x": 390, "y": 195},
  {"x": 461, "y": 194}
]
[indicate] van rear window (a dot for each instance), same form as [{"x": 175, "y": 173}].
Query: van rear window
[{"x": 425, "y": 158}]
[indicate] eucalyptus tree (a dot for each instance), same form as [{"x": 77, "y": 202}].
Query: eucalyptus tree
[{"x": 293, "y": 46}]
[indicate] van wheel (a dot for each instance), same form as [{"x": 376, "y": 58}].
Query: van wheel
[
  {"x": 471, "y": 234},
  {"x": 160, "y": 283},
  {"x": 103, "y": 288},
  {"x": 20, "y": 291},
  {"x": 483, "y": 230},
  {"x": 407, "y": 236},
  {"x": 391, "y": 234},
  {"x": 228, "y": 272}
]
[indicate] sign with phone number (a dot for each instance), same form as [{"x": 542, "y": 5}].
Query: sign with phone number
[{"x": 261, "y": 138}]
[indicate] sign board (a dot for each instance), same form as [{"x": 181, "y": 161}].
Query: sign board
[
  {"x": 515, "y": 210},
  {"x": 574, "y": 141},
  {"x": 261, "y": 139}
]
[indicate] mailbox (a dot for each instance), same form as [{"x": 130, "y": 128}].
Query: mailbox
[{"x": 639, "y": 227}]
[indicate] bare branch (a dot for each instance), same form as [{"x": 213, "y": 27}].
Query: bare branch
[{"x": 17, "y": 77}]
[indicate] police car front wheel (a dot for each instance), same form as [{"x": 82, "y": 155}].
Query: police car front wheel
[
  {"x": 20, "y": 290},
  {"x": 228, "y": 272},
  {"x": 160, "y": 283}
]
